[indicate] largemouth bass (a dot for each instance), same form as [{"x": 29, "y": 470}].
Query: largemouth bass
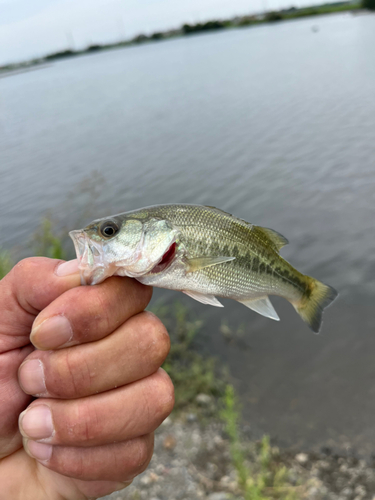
[{"x": 203, "y": 252}]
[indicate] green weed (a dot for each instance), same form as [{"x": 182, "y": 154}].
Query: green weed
[
  {"x": 6, "y": 263},
  {"x": 46, "y": 242},
  {"x": 260, "y": 477},
  {"x": 191, "y": 372}
]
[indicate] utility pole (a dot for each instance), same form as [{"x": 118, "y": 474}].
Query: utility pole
[
  {"x": 70, "y": 40},
  {"x": 121, "y": 28}
]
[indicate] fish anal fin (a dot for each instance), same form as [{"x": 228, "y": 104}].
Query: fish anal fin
[
  {"x": 278, "y": 240},
  {"x": 205, "y": 299},
  {"x": 262, "y": 306},
  {"x": 197, "y": 263}
]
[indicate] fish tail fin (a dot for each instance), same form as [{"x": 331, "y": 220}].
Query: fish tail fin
[{"x": 315, "y": 299}]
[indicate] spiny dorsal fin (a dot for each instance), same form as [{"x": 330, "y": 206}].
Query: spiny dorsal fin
[
  {"x": 218, "y": 210},
  {"x": 197, "y": 263},
  {"x": 276, "y": 238}
]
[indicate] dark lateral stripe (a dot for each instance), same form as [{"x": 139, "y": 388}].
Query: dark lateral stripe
[{"x": 286, "y": 277}]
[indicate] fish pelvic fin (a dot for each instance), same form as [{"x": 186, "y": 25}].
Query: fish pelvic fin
[
  {"x": 205, "y": 299},
  {"x": 315, "y": 299},
  {"x": 262, "y": 306}
]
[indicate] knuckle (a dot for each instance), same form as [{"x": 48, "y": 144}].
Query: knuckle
[
  {"x": 143, "y": 454},
  {"x": 26, "y": 266},
  {"x": 158, "y": 339},
  {"x": 24, "y": 270},
  {"x": 164, "y": 394},
  {"x": 139, "y": 452},
  {"x": 146, "y": 293},
  {"x": 76, "y": 468},
  {"x": 29, "y": 267},
  {"x": 59, "y": 375},
  {"x": 68, "y": 376},
  {"x": 86, "y": 425}
]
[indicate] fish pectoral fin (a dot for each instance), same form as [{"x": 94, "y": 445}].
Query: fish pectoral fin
[
  {"x": 205, "y": 299},
  {"x": 262, "y": 306},
  {"x": 197, "y": 263}
]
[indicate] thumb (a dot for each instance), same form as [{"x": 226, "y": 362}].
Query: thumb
[{"x": 27, "y": 289}]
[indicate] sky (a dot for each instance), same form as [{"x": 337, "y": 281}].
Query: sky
[{"x": 33, "y": 28}]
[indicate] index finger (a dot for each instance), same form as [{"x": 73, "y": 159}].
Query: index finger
[
  {"x": 89, "y": 313},
  {"x": 27, "y": 289}
]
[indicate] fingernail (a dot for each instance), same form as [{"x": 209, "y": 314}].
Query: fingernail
[
  {"x": 40, "y": 451},
  {"x": 66, "y": 268},
  {"x": 31, "y": 377},
  {"x": 51, "y": 333},
  {"x": 36, "y": 423}
]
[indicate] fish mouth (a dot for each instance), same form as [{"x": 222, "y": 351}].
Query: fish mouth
[
  {"x": 92, "y": 268},
  {"x": 166, "y": 260}
]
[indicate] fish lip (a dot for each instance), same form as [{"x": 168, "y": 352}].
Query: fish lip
[
  {"x": 90, "y": 261},
  {"x": 78, "y": 237}
]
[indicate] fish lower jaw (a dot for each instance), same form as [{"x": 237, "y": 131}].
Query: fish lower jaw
[{"x": 94, "y": 275}]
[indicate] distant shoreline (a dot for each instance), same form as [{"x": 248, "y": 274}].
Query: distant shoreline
[{"x": 189, "y": 30}]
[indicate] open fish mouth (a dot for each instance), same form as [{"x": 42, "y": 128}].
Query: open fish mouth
[
  {"x": 166, "y": 260},
  {"x": 90, "y": 255}
]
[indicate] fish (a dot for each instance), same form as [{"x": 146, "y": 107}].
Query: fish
[{"x": 202, "y": 251}]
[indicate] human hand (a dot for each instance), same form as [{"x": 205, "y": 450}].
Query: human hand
[{"x": 100, "y": 392}]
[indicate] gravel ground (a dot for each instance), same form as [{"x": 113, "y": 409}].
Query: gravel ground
[{"x": 192, "y": 461}]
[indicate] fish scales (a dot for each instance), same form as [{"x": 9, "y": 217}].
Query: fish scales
[
  {"x": 202, "y": 251},
  {"x": 252, "y": 269}
]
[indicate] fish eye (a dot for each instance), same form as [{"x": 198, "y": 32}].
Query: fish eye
[{"x": 108, "y": 229}]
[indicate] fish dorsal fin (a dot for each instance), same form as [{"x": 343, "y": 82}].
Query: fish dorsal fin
[
  {"x": 276, "y": 238},
  {"x": 205, "y": 299},
  {"x": 218, "y": 210},
  {"x": 235, "y": 219},
  {"x": 262, "y": 306},
  {"x": 197, "y": 263}
]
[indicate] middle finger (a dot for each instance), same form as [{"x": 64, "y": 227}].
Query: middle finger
[{"x": 134, "y": 351}]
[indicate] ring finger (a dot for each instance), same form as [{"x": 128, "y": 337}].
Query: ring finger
[
  {"x": 111, "y": 462},
  {"x": 113, "y": 416}
]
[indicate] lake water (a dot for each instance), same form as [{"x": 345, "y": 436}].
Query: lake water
[{"x": 275, "y": 124}]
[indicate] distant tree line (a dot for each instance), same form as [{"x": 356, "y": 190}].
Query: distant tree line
[
  {"x": 208, "y": 26},
  {"x": 214, "y": 25}
]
